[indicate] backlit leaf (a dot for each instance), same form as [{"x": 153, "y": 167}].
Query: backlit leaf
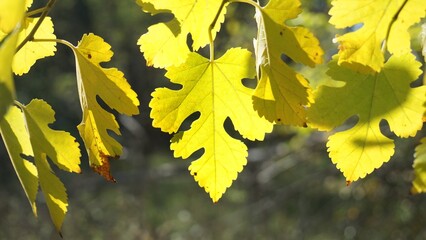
[
  {"x": 7, "y": 86},
  {"x": 33, "y": 51},
  {"x": 11, "y": 13},
  {"x": 165, "y": 43},
  {"x": 419, "y": 183},
  {"x": 215, "y": 90},
  {"x": 372, "y": 98},
  {"x": 112, "y": 88},
  {"x": 59, "y": 146},
  {"x": 17, "y": 142},
  {"x": 282, "y": 94},
  {"x": 27, "y": 133},
  {"x": 385, "y": 20}
]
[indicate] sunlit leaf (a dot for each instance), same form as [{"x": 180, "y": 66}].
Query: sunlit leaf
[
  {"x": 29, "y": 133},
  {"x": 33, "y": 51},
  {"x": 282, "y": 94},
  {"x": 7, "y": 86},
  {"x": 191, "y": 17},
  {"x": 11, "y": 13},
  {"x": 17, "y": 142},
  {"x": 112, "y": 88},
  {"x": 372, "y": 98},
  {"x": 215, "y": 90},
  {"x": 385, "y": 20}
]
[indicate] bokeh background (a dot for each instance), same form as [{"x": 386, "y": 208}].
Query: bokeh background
[{"x": 289, "y": 189}]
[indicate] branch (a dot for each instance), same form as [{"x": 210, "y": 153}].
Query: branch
[{"x": 30, "y": 36}]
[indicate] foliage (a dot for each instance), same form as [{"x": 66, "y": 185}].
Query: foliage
[
  {"x": 373, "y": 91},
  {"x": 373, "y": 75},
  {"x": 25, "y": 129}
]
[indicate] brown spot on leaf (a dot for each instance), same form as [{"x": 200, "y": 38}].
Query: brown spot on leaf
[
  {"x": 348, "y": 183},
  {"x": 104, "y": 169},
  {"x": 89, "y": 56}
]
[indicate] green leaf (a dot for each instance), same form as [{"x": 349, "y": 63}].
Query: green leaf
[
  {"x": 27, "y": 56},
  {"x": 215, "y": 90},
  {"x": 386, "y": 20},
  {"x": 419, "y": 183},
  {"x": 112, "y": 88},
  {"x": 372, "y": 98},
  {"x": 16, "y": 139},
  {"x": 282, "y": 94},
  {"x": 165, "y": 43}
]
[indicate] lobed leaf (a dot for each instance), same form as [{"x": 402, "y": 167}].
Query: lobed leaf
[
  {"x": 26, "y": 133},
  {"x": 282, "y": 94},
  {"x": 60, "y": 147},
  {"x": 372, "y": 98},
  {"x": 215, "y": 90},
  {"x": 112, "y": 88},
  {"x": 384, "y": 22},
  {"x": 165, "y": 43},
  {"x": 32, "y": 51}
]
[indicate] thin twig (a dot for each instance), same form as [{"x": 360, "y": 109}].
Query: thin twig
[{"x": 30, "y": 36}]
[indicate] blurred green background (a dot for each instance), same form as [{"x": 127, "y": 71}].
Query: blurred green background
[{"x": 289, "y": 189}]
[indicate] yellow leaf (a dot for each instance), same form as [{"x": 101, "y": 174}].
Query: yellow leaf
[
  {"x": 373, "y": 98},
  {"x": 30, "y": 134},
  {"x": 385, "y": 20},
  {"x": 191, "y": 17},
  {"x": 33, "y": 51},
  {"x": 419, "y": 183},
  {"x": 11, "y": 13},
  {"x": 282, "y": 94},
  {"x": 161, "y": 41},
  {"x": 17, "y": 142},
  {"x": 59, "y": 146},
  {"x": 112, "y": 88},
  {"x": 53, "y": 190},
  {"x": 7, "y": 86},
  {"x": 215, "y": 90}
]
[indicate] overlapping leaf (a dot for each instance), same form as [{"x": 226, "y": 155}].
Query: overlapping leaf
[
  {"x": 386, "y": 20},
  {"x": 7, "y": 86},
  {"x": 17, "y": 142},
  {"x": 419, "y": 183},
  {"x": 26, "y": 57},
  {"x": 215, "y": 90},
  {"x": 11, "y": 13},
  {"x": 372, "y": 98},
  {"x": 27, "y": 133},
  {"x": 165, "y": 43},
  {"x": 112, "y": 88},
  {"x": 282, "y": 94}
]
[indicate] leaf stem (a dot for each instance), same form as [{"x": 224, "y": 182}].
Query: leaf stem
[
  {"x": 211, "y": 29},
  {"x": 30, "y": 36},
  {"x": 34, "y": 12},
  {"x": 62, "y": 41},
  {"x": 18, "y": 104},
  {"x": 250, "y": 2}
]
